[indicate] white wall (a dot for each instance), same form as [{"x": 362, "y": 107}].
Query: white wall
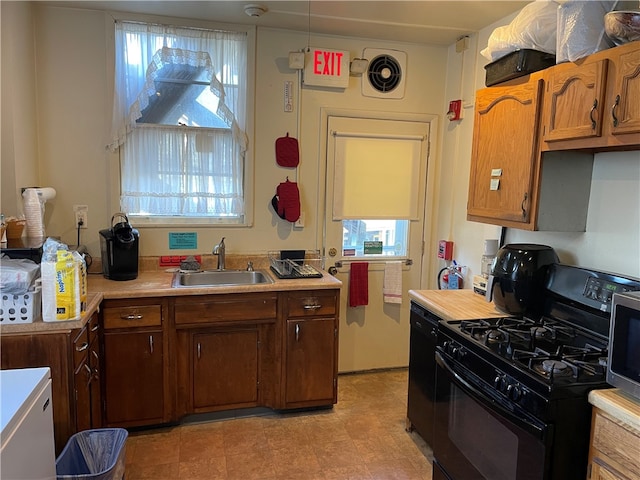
[
  {"x": 19, "y": 121},
  {"x": 74, "y": 83}
]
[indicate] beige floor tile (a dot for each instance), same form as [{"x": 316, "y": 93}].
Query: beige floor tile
[{"x": 362, "y": 438}]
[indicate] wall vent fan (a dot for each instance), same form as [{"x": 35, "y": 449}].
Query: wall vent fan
[{"x": 385, "y": 76}]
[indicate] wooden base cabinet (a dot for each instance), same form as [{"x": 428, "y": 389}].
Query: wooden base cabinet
[
  {"x": 136, "y": 380},
  {"x": 225, "y": 349},
  {"x": 74, "y": 359},
  {"x": 615, "y": 437},
  {"x": 310, "y": 349}
]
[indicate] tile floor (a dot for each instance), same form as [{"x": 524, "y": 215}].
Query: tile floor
[{"x": 362, "y": 437}]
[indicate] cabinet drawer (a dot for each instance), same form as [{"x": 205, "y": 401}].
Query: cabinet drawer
[
  {"x": 195, "y": 310},
  {"x": 303, "y": 304},
  {"x": 616, "y": 442},
  {"x": 132, "y": 316}
]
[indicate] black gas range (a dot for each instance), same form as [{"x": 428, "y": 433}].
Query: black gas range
[{"x": 511, "y": 393}]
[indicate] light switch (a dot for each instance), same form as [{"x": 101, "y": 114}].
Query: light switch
[{"x": 495, "y": 184}]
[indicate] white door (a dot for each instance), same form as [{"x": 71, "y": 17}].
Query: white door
[{"x": 375, "y": 335}]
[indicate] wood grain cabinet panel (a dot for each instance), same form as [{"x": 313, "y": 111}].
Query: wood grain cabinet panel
[
  {"x": 592, "y": 104},
  {"x": 615, "y": 449},
  {"x": 136, "y": 363},
  {"x": 76, "y": 394},
  {"x": 310, "y": 349},
  {"x": 505, "y": 155}
]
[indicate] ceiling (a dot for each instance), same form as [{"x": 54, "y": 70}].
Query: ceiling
[{"x": 417, "y": 21}]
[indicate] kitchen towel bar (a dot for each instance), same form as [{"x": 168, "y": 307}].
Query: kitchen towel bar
[{"x": 340, "y": 264}]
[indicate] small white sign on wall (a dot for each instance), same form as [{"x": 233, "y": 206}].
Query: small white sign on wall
[{"x": 326, "y": 68}]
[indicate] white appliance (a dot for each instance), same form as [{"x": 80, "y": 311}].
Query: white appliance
[{"x": 26, "y": 417}]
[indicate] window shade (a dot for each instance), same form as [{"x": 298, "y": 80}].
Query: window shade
[{"x": 376, "y": 177}]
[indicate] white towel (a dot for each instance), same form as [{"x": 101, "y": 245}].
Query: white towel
[{"x": 392, "y": 284}]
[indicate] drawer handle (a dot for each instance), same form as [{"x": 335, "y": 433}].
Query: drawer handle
[
  {"x": 82, "y": 347},
  {"x": 132, "y": 316},
  {"x": 591, "y": 112},
  {"x": 312, "y": 307},
  {"x": 613, "y": 111},
  {"x": 95, "y": 327}
]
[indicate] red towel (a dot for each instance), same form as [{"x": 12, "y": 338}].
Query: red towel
[{"x": 359, "y": 284}]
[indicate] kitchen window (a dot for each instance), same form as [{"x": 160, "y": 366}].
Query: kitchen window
[{"x": 179, "y": 123}]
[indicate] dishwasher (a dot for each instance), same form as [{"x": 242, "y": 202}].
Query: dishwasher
[{"x": 422, "y": 371}]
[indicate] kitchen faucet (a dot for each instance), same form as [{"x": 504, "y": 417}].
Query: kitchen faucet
[{"x": 219, "y": 251}]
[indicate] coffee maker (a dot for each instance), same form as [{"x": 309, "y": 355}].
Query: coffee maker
[
  {"x": 119, "y": 249},
  {"x": 518, "y": 272}
]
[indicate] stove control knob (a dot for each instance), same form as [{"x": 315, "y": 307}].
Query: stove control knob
[
  {"x": 500, "y": 382},
  {"x": 514, "y": 392}
]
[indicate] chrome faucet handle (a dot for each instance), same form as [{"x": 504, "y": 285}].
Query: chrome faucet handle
[{"x": 249, "y": 266}]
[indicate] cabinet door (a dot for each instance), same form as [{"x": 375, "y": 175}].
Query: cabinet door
[
  {"x": 134, "y": 378},
  {"x": 625, "y": 101},
  {"x": 82, "y": 389},
  {"x": 505, "y": 153},
  {"x": 310, "y": 363},
  {"x": 575, "y": 101},
  {"x": 600, "y": 472},
  {"x": 225, "y": 369}
]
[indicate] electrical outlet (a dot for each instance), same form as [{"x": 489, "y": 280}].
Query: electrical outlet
[
  {"x": 81, "y": 213},
  {"x": 300, "y": 222}
]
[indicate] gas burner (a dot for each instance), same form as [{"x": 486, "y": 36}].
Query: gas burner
[
  {"x": 495, "y": 336},
  {"x": 555, "y": 367}
]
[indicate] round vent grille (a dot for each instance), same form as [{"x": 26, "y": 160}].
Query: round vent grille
[{"x": 384, "y": 73}]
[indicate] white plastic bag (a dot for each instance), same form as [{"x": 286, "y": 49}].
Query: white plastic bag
[
  {"x": 581, "y": 29},
  {"x": 533, "y": 28},
  {"x": 17, "y": 275}
]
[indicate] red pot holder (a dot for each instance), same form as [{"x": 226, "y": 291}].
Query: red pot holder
[
  {"x": 287, "y": 201},
  {"x": 287, "y": 154}
]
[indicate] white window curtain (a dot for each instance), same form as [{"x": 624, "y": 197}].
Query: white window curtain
[{"x": 169, "y": 170}]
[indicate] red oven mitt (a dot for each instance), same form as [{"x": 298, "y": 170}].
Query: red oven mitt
[
  {"x": 287, "y": 154},
  {"x": 287, "y": 201}
]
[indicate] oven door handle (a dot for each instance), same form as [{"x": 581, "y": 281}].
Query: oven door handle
[{"x": 523, "y": 423}]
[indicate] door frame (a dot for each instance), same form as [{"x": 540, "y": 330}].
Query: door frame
[{"x": 429, "y": 221}]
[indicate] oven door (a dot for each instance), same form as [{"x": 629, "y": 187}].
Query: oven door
[{"x": 478, "y": 436}]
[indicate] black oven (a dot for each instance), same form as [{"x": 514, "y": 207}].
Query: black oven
[
  {"x": 479, "y": 436},
  {"x": 511, "y": 399}
]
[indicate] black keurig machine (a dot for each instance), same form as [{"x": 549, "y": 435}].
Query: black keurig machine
[{"x": 119, "y": 249}]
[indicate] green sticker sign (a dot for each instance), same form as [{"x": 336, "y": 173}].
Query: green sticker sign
[
  {"x": 372, "y": 248},
  {"x": 183, "y": 240}
]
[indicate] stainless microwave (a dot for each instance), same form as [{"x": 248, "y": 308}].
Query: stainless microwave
[{"x": 623, "y": 365}]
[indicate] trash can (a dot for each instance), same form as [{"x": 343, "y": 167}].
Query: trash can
[{"x": 93, "y": 454}]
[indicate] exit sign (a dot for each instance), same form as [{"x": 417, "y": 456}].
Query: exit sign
[{"x": 326, "y": 68}]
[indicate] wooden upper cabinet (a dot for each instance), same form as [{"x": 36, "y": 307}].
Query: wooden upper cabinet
[
  {"x": 575, "y": 101},
  {"x": 624, "y": 115},
  {"x": 593, "y": 104},
  {"x": 505, "y": 154}
]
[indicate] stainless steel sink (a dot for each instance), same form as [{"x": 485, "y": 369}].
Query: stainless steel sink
[{"x": 219, "y": 278}]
